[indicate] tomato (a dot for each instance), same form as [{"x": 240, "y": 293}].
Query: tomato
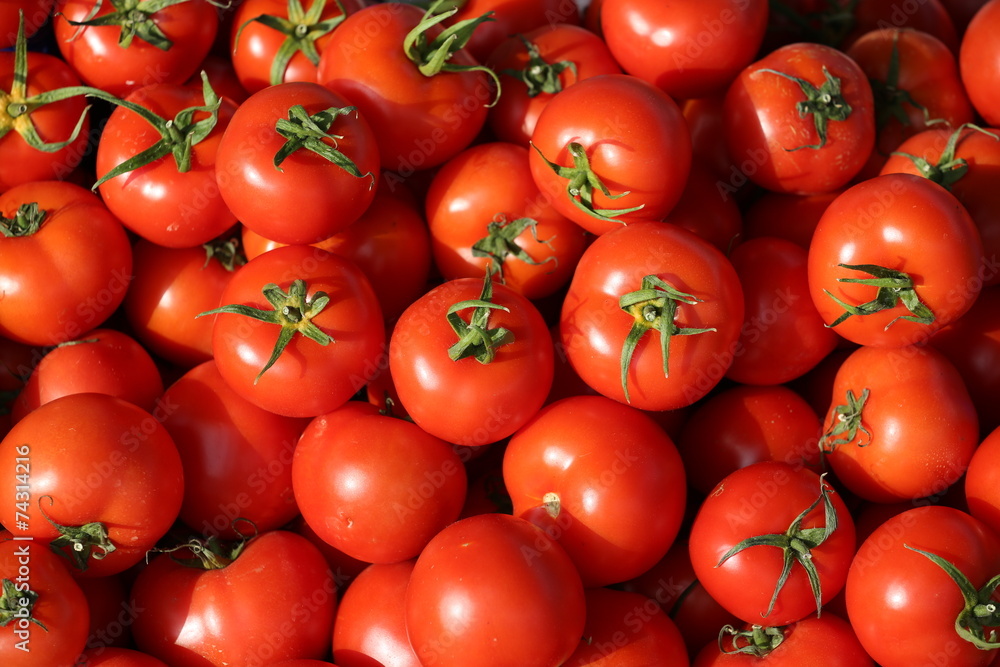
[
  {"x": 308, "y": 377},
  {"x": 884, "y": 448},
  {"x": 376, "y": 487},
  {"x": 878, "y": 230},
  {"x": 476, "y": 375},
  {"x": 928, "y": 16},
  {"x": 218, "y": 68},
  {"x": 559, "y": 55},
  {"x": 118, "y": 58},
  {"x": 706, "y": 211},
  {"x": 345, "y": 569},
  {"x": 620, "y": 291},
  {"x": 371, "y": 619},
  {"x": 36, "y": 14},
  {"x": 688, "y": 51},
  {"x": 511, "y": 18},
  {"x": 111, "y": 616},
  {"x": 979, "y": 64},
  {"x": 105, "y": 480},
  {"x": 981, "y": 487},
  {"x": 903, "y": 605},
  {"x": 783, "y": 336},
  {"x": 45, "y": 613},
  {"x": 335, "y": 164},
  {"x": 48, "y": 301},
  {"x": 104, "y": 361},
  {"x": 790, "y": 217},
  {"x": 117, "y": 657},
  {"x": 609, "y": 150},
  {"x": 741, "y": 425},
  {"x": 803, "y": 116},
  {"x": 275, "y": 599},
  {"x": 704, "y": 119},
  {"x": 419, "y": 120},
  {"x": 514, "y": 231},
  {"x": 528, "y": 612},
  {"x": 766, "y": 521}
]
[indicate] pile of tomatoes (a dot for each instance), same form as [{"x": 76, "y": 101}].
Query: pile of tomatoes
[{"x": 499, "y": 333}]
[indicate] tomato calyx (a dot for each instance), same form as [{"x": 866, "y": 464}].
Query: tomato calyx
[
  {"x": 846, "y": 418},
  {"x": 539, "y": 75},
  {"x": 475, "y": 338},
  {"x": 311, "y": 133},
  {"x": 581, "y": 183},
  {"x": 178, "y": 135},
  {"x": 17, "y": 605},
  {"x": 26, "y": 221},
  {"x": 758, "y": 641},
  {"x": 227, "y": 252},
  {"x": 824, "y": 104},
  {"x": 948, "y": 169},
  {"x": 210, "y": 553},
  {"x": 433, "y": 56},
  {"x": 88, "y": 541},
  {"x": 889, "y": 98},
  {"x": 654, "y": 306},
  {"x": 980, "y": 611},
  {"x": 500, "y": 243},
  {"x": 293, "y": 311},
  {"x": 796, "y": 544},
  {"x": 301, "y": 29},
  {"x": 135, "y": 18},
  {"x": 893, "y": 287}
]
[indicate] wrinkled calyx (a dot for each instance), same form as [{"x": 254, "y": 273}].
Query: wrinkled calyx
[
  {"x": 846, "y": 422},
  {"x": 312, "y": 133},
  {"x": 949, "y": 169},
  {"x": 26, "y": 221},
  {"x": 500, "y": 243},
  {"x": 475, "y": 338},
  {"x": 824, "y": 104},
  {"x": 228, "y": 252},
  {"x": 539, "y": 75},
  {"x": 134, "y": 18},
  {"x": 17, "y": 604},
  {"x": 758, "y": 641},
  {"x": 893, "y": 287},
  {"x": 80, "y": 543}
]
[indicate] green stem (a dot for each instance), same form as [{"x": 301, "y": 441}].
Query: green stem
[
  {"x": 84, "y": 542},
  {"x": 825, "y": 104},
  {"x": 475, "y": 338},
  {"x": 500, "y": 243},
  {"x": 949, "y": 168},
  {"x": 893, "y": 287},
  {"x": 539, "y": 75}
]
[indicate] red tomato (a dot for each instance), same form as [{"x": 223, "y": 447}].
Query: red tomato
[
  {"x": 980, "y": 64},
  {"x": 790, "y": 217},
  {"x": 308, "y": 377},
  {"x": 476, "y": 375},
  {"x": 688, "y": 50},
  {"x": 982, "y": 482},
  {"x": 762, "y": 522},
  {"x": 115, "y": 58},
  {"x": 514, "y": 230},
  {"x": 804, "y": 117},
  {"x": 117, "y": 657},
  {"x": 95, "y": 462},
  {"x": 262, "y": 184},
  {"x": 708, "y": 212},
  {"x": 704, "y": 120},
  {"x": 528, "y": 611},
  {"x": 104, "y": 361},
  {"x": 699, "y": 318},
  {"x": 879, "y": 230},
  {"x": 274, "y": 600},
  {"x": 901, "y": 424},
  {"x": 510, "y": 18},
  {"x": 111, "y": 616},
  {"x": 50, "y": 296},
  {"x": 928, "y": 16},
  {"x": 609, "y": 150},
  {"x": 903, "y": 605},
  {"x": 36, "y": 14}
]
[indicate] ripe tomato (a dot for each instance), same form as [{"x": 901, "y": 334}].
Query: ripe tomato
[
  {"x": 982, "y": 482},
  {"x": 528, "y": 612},
  {"x": 804, "y": 116},
  {"x": 117, "y": 657},
  {"x": 903, "y": 605},
  {"x": 620, "y": 291},
  {"x": 48, "y": 301},
  {"x": 110, "y": 614},
  {"x": 36, "y": 14},
  {"x": 511, "y": 18},
  {"x": 763, "y": 523},
  {"x": 274, "y": 599},
  {"x": 980, "y": 67},
  {"x": 790, "y": 217},
  {"x": 264, "y": 360},
  {"x": 105, "y": 480},
  {"x": 514, "y": 231},
  {"x": 884, "y": 448},
  {"x": 874, "y": 277},
  {"x": 709, "y": 213},
  {"x": 689, "y": 51},
  {"x": 475, "y": 375},
  {"x": 334, "y": 160},
  {"x": 609, "y": 150}
]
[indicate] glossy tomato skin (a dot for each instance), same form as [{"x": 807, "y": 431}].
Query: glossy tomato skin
[
  {"x": 982, "y": 483},
  {"x": 158, "y": 202},
  {"x": 48, "y": 301},
  {"x": 104, "y": 460},
  {"x": 762, "y": 121},
  {"x": 764, "y": 499},
  {"x": 593, "y": 327},
  {"x": 528, "y": 613},
  {"x": 36, "y": 14},
  {"x": 514, "y": 116},
  {"x": 308, "y": 379},
  {"x": 601, "y": 479},
  {"x": 96, "y": 56},
  {"x": 19, "y": 162},
  {"x": 117, "y": 657},
  {"x": 708, "y": 43},
  {"x": 913, "y": 448},
  {"x": 708, "y": 212},
  {"x": 279, "y": 586},
  {"x": 441, "y": 115},
  {"x": 466, "y": 402},
  {"x": 901, "y": 604},
  {"x": 463, "y": 200},
  {"x": 888, "y": 221},
  {"x": 636, "y": 142},
  {"x": 979, "y": 62},
  {"x": 269, "y": 200},
  {"x": 511, "y": 18}
]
